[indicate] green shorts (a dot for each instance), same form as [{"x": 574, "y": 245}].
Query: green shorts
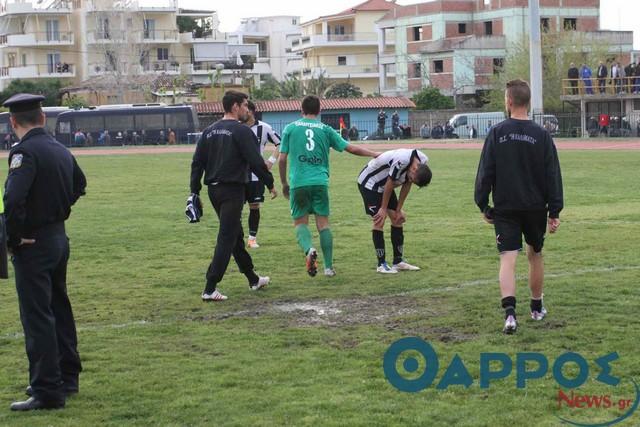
[{"x": 312, "y": 199}]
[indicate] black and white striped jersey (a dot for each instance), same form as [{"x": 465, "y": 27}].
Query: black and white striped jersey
[
  {"x": 265, "y": 133},
  {"x": 393, "y": 163}
]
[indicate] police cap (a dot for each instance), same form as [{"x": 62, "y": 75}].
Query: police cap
[{"x": 22, "y": 102}]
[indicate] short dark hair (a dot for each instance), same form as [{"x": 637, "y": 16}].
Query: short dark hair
[
  {"x": 252, "y": 106},
  {"x": 519, "y": 92},
  {"x": 423, "y": 175},
  {"x": 232, "y": 97},
  {"x": 311, "y": 105},
  {"x": 28, "y": 118}
]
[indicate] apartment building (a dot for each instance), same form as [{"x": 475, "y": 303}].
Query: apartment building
[
  {"x": 274, "y": 36},
  {"x": 82, "y": 40},
  {"x": 344, "y": 46},
  {"x": 456, "y": 45}
]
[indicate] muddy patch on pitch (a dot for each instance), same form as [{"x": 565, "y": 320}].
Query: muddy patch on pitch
[{"x": 365, "y": 310}]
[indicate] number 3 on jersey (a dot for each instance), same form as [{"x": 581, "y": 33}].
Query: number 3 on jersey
[{"x": 310, "y": 142}]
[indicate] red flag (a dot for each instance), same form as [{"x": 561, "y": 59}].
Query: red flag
[{"x": 342, "y": 125}]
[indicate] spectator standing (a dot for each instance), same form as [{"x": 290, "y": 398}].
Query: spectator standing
[
  {"x": 172, "y": 137},
  {"x": 586, "y": 79},
  {"x": 395, "y": 124},
  {"x": 573, "y": 75},
  {"x": 602, "y": 74},
  {"x": 382, "y": 118}
]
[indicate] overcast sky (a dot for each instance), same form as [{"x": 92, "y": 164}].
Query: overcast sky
[{"x": 614, "y": 14}]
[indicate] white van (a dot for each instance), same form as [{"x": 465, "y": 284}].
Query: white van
[{"x": 482, "y": 122}]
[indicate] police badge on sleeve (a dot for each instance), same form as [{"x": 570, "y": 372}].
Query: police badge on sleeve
[{"x": 16, "y": 161}]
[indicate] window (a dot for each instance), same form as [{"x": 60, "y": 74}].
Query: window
[
  {"x": 149, "y": 28},
  {"x": 498, "y": 64},
  {"x": 177, "y": 120},
  {"x": 88, "y": 123},
  {"x": 544, "y": 24},
  {"x": 64, "y": 127},
  {"x": 294, "y": 21},
  {"x": 417, "y": 33},
  {"x": 487, "y": 2},
  {"x": 417, "y": 71},
  {"x": 342, "y": 60},
  {"x": 636, "y": 104},
  {"x": 150, "y": 121},
  {"x": 163, "y": 54},
  {"x": 488, "y": 28},
  {"x": 570, "y": 24},
  {"x": 462, "y": 28},
  {"x": 438, "y": 66},
  {"x": 24, "y": 60},
  {"x": 119, "y": 122},
  {"x": 461, "y": 121}
]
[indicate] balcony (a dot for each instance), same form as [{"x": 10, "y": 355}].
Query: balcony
[
  {"x": 37, "y": 39},
  {"x": 334, "y": 40},
  {"x": 342, "y": 71},
  {"x": 160, "y": 6},
  {"x": 161, "y": 67},
  {"x": 111, "y": 36},
  {"x": 38, "y": 71},
  {"x": 14, "y": 8},
  {"x": 160, "y": 36},
  {"x": 206, "y": 36}
]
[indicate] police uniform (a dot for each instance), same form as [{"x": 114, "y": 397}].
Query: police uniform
[{"x": 44, "y": 181}]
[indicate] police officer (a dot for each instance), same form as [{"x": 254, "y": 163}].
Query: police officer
[
  {"x": 225, "y": 153},
  {"x": 44, "y": 181}
]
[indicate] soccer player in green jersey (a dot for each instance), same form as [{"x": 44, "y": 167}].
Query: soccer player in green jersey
[{"x": 307, "y": 142}]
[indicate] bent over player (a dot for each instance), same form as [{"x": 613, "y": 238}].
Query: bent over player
[{"x": 376, "y": 182}]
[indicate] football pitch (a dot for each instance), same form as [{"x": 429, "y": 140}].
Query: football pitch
[{"x": 309, "y": 351}]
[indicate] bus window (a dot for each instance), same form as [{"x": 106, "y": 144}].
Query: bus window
[
  {"x": 64, "y": 128},
  {"x": 119, "y": 122},
  {"x": 150, "y": 121},
  {"x": 51, "y": 124},
  {"x": 93, "y": 123},
  {"x": 178, "y": 120}
]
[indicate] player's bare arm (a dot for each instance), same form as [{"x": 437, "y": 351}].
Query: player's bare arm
[
  {"x": 361, "y": 151},
  {"x": 282, "y": 167}
]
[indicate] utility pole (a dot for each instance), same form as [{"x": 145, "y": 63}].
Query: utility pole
[{"x": 535, "y": 57}]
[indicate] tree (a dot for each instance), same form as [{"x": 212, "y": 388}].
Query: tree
[
  {"x": 317, "y": 85},
  {"x": 269, "y": 89},
  {"x": 344, "y": 90},
  {"x": 119, "y": 32},
  {"x": 75, "y": 102},
  {"x": 558, "y": 51},
  {"x": 50, "y": 89},
  {"x": 290, "y": 88},
  {"x": 430, "y": 98}
]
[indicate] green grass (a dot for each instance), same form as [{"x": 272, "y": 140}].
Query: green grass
[{"x": 154, "y": 354}]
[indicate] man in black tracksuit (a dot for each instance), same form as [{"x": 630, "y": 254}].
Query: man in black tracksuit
[
  {"x": 226, "y": 152},
  {"x": 519, "y": 166},
  {"x": 44, "y": 181},
  {"x": 573, "y": 75}
]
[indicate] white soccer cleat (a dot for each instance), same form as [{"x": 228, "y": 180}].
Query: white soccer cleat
[
  {"x": 539, "y": 315},
  {"x": 252, "y": 243},
  {"x": 329, "y": 272},
  {"x": 405, "y": 266},
  {"x": 214, "y": 296},
  {"x": 262, "y": 282},
  {"x": 385, "y": 269},
  {"x": 510, "y": 325}
]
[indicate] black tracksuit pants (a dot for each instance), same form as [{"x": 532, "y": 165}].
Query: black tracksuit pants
[
  {"x": 46, "y": 315},
  {"x": 228, "y": 201}
]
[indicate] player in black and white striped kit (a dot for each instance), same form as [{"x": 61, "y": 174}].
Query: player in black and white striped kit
[
  {"x": 376, "y": 182},
  {"x": 255, "y": 189}
]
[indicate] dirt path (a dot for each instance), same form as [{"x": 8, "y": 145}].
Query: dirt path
[{"x": 574, "y": 144}]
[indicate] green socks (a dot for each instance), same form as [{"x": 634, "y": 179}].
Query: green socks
[
  {"x": 304, "y": 237},
  {"x": 326, "y": 242}
]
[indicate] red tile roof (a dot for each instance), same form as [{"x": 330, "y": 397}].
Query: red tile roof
[
  {"x": 369, "y": 6},
  {"x": 280, "y": 105}
]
